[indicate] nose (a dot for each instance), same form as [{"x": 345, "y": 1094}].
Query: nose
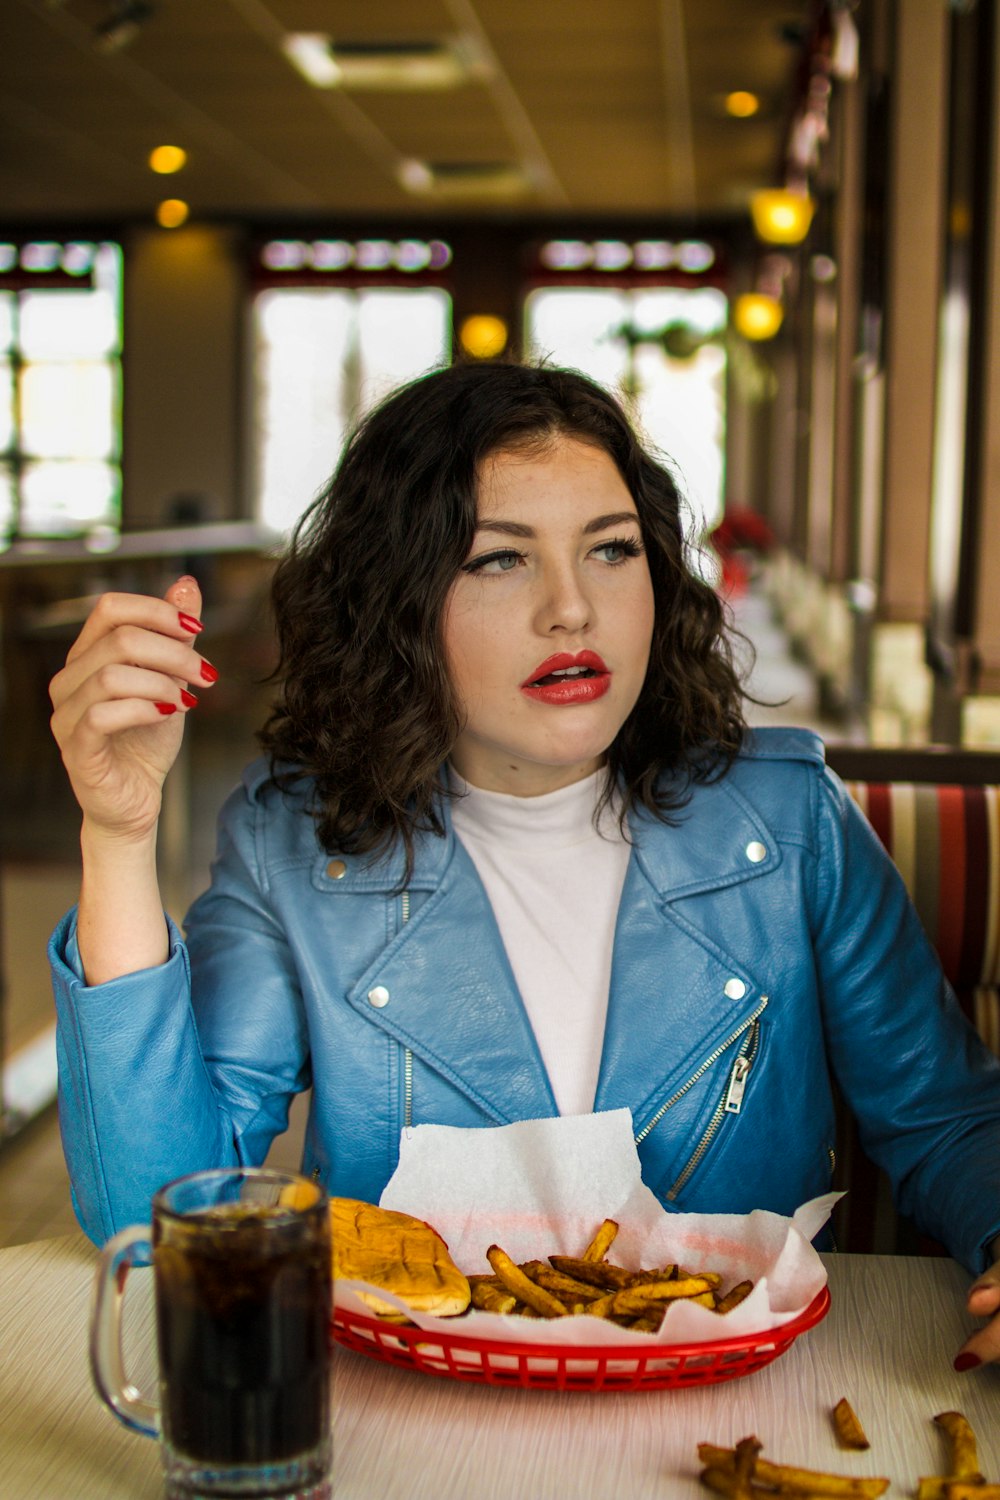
[{"x": 564, "y": 604}]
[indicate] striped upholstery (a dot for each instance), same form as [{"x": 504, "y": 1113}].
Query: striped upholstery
[{"x": 945, "y": 842}]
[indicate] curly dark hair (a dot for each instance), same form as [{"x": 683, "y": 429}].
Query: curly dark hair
[{"x": 366, "y": 707}]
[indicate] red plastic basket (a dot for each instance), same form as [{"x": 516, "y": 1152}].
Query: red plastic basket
[{"x": 549, "y": 1367}]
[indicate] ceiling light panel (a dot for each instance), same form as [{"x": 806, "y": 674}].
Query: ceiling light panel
[
  {"x": 402, "y": 63},
  {"x": 465, "y": 179}
]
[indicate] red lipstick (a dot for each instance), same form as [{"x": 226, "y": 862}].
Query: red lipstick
[{"x": 566, "y": 679}]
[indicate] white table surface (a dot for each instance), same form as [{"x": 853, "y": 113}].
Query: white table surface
[{"x": 886, "y": 1344}]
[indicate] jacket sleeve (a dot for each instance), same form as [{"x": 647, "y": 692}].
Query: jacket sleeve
[
  {"x": 924, "y": 1087},
  {"x": 189, "y": 1065}
]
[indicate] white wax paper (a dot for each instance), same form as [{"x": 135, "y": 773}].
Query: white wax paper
[{"x": 542, "y": 1187}]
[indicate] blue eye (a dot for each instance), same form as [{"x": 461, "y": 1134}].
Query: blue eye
[
  {"x": 622, "y": 547},
  {"x": 505, "y": 560}
]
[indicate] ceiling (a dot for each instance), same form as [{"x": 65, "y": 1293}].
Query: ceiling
[{"x": 607, "y": 107}]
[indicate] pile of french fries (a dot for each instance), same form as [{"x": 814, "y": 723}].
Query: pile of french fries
[
  {"x": 742, "y": 1474},
  {"x": 592, "y": 1286}
]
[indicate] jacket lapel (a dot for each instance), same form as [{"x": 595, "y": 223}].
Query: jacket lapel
[
  {"x": 676, "y": 992},
  {"x": 452, "y": 996}
]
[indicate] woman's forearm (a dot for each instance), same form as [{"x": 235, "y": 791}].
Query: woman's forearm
[{"x": 120, "y": 926}]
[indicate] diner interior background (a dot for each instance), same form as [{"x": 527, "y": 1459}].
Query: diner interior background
[{"x": 183, "y": 351}]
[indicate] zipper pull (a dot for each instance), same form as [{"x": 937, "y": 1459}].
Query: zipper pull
[{"x": 737, "y": 1084}]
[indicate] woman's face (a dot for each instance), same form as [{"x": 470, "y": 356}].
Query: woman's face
[{"x": 547, "y": 627}]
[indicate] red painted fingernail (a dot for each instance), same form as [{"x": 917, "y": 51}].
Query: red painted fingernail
[
  {"x": 190, "y": 623},
  {"x": 208, "y": 672},
  {"x": 167, "y": 708},
  {"x": 967, "y": 1362},
  {"x": 188, "y": 699}
]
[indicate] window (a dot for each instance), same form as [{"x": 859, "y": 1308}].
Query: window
[
  {"x": 60, "y": 388},
  {"x": 331, "y": 339},
  {"x": 659, "y": 346}
]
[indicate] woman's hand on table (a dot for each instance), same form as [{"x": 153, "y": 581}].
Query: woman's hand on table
[
  {"x": 120, "y": 703},
  {"x": 983, "y": 1302}
]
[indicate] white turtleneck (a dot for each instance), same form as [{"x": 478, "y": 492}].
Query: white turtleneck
[{"x": 554, "y": 882}]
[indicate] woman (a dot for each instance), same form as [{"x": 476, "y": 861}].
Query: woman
[{"x": 513, "y": 853}]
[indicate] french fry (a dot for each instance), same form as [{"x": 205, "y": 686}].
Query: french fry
[
  {"x": 660, "y": 1273},
  {"x": 734, "y": 1297},
  {"x": 967, "y": 1489},
  {"x": 603, "y": 1307},
  {"x": 721, "y": 1481},
  {"x": 738, "y": 1480},
  {"x": 744, "y": 1463},
  {"x": 523, "y": 1287},
  {"x": 648, "y": 1301},
  {"x": 638, "y": 1298},
  {"x": 850, "y": 1433},
  {"x": 964, "y": 1460},
  {"x": 489, "y": 1298},
  {"x": 794, "y": 1481},
  {"x": 564, "y": 1286},
  {"x": 602, "y": 1241},
  {"x": 597, "y": 1273}
]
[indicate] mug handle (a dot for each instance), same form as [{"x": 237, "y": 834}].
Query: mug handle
[{"x": 106, "y": 1362}]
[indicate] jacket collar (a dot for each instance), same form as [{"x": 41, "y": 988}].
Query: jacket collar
[{"x": 718, "y": 839}]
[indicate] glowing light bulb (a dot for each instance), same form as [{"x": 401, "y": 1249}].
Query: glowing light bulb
[
  {"x": 781, "y": 216},
  {"x": 741, "y": 104},
  {"x": 167, "y": 159},
  {"x": 757, "y": 315},
  {"x": 172, "y": 213},
  {"x": 483, "y": 336}
]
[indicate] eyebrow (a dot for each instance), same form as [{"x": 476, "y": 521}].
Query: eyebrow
[{"x": 599, "y": 523}]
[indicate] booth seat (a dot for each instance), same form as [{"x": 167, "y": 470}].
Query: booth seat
[{"x": 937, "y": 812}]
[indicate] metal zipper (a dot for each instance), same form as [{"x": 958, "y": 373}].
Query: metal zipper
[
  {"x": 724, "y": 1046},
  {"x": 404, "y": 904},
  {"x": 730, "y": 1103},
  {"x": 734, "y": 1087}
]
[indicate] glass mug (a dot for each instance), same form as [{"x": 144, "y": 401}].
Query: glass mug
[{"x": 242, "y": 1280}]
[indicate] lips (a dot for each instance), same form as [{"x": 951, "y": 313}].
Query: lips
[{"x": 568, "y": 679}]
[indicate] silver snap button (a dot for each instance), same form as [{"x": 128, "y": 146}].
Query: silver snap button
[
  {"x": 379, "y": 996},
  {"x": 756, "y": 852},
  {"x": 735, "y": 989},
  {"x": 336, "y": 869}
]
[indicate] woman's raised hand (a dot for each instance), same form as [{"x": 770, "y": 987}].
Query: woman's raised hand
[{"x": 120, "y": 703}]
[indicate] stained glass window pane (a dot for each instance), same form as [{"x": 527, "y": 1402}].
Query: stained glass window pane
[
  {"x": 68, "y": 410},
  {"x": 64, "y": 498}
]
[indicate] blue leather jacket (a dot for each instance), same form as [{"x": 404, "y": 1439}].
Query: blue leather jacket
[{"x": 763, "y": 942}]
